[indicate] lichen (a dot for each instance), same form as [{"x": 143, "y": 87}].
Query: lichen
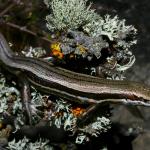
[
  {"x": 25, "y": 144},
  {"x": 85, "y": 34},
  {"x": 114, "y": 29},
  {"x": 6, "y": 96},
  {"x": 68, "y": 14},
  {"x": 61, "y": 115},
  {"x": 81, "y": 138},
  {"x": 74, "y": 14},
  {"x": 81, "y": 44},
  {"x": 100, "y": 125},
  {"x": 34, "y": 52}
]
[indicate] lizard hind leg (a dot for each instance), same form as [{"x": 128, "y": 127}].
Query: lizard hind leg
[{"x": 26, "y": 98}]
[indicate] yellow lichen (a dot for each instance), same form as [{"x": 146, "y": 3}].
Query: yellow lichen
[
  {"x": 82, "y": 49},
  {"x": 77, "y": 111},
  {"x": 55, "y": 46},
  {"x": 56, "y": 50}
]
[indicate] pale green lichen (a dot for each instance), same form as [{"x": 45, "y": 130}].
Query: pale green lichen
[
  {"x": 81, "y": 138},
  {"x": 126, "y": 66},
  {"x": 5, "y": 98},
  {"x": 68, "y": 14},
  {"x": 61, "y": 107},
  {"x": 89, "y": 37},
  {"x": 102, "y": 124},
  {"x": 34, "y": 52},
  {"x": 113, "y": 28},
  {"x": 74, "y": 14},
  {"x": 3, "y": 105},
  {"x": 5, "y": 93},
  {"x": 25, "y": 144}
]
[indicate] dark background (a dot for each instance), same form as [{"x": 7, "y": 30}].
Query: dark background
[{"x": 137, "y": 13}]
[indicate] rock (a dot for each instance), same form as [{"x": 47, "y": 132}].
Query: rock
[{"x": 142, "y": 142}]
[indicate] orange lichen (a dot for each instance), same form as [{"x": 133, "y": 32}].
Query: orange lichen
[
  {"x": 56, "y": 50},
  {"x": 57, "y": 54},
  {"x": 77, "y": 111}
]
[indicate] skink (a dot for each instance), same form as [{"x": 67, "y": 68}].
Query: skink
[{"x": 73, "y": 86}]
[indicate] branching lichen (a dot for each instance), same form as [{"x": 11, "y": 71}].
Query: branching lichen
[
  {"x": 25, "y": 144},
  {"x": 100, "y": 125},
  {"x": 114, "y": 29},
  {"x": 6, "y": 96},
  {"x": 68, "y": 14},
  {"x": 74, "y": 14},
  {"x": 86, "y": 34},
  {"x": 34, "y": 52}
]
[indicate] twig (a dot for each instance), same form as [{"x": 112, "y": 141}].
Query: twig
[
  {"x": 7, "y": 9},
  {"x": 24, "y": 29}
]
